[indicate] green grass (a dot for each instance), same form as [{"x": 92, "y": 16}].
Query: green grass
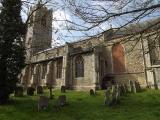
[{"x": 140, "y": 106}]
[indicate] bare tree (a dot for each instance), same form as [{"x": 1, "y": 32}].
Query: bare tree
[{"x": 93, "y": 17}]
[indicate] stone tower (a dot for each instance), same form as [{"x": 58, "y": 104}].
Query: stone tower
[{"x": 39, "y": 32}]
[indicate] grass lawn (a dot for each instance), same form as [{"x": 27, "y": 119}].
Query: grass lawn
[{"x": 140, "y": 106}]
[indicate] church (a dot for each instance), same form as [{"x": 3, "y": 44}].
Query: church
[{"x": 87, "y": 64}]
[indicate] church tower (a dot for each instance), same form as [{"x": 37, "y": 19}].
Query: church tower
[{"x": 39, "y": 31}]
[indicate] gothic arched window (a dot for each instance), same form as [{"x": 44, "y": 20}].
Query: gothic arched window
[
  {"x": 59, "y": 68},
  {"x": 118, "y": 56},
  {"x": 79, "y": 66},
  {"x": 38, "y": 75},
  {"x": 44, "y": 70}
]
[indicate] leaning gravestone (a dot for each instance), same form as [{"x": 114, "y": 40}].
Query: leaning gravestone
[
  {"x": 92, "y": 92},
  {"x": 19, "y": 91},
  {"x": 39, "y": 90},
  {"x": 62, "y": 100},
  {"x": 43, "y": 102},
  {"x": 30, "y": 91},
  {"x": 63, "y": 89}
]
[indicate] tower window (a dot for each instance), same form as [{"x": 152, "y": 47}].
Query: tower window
[
  {"x": 43, "y": 21},
  {"x": 79, "y": 66}
]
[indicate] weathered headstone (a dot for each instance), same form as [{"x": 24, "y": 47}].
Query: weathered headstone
[
  {"x": 126, "y": 88},
  {"x": 43, "y": 102},
  {"x": 138, "y": 87},
  {"x": 19, "y": 91},
  {"x": 92, "y": 92},
  {"x": 62, "y": 100},
  {"x": 63, "y": 89},
  {"x": 122, "y": 89},
  {"x": 115, "y": 95},
  {"x": 133, "y": 87},
  {"x": 108, "y": 97},
  {"x": 39, "y": 90},
  {"x": 30, "y": 91}
]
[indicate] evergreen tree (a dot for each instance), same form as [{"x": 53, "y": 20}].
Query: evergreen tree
[{"x": 11, "y": 47}]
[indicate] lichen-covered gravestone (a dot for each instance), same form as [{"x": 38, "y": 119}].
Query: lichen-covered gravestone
[{"x": 43, "y": 102}]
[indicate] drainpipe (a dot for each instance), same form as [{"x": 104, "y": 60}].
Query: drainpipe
[{"x": 155, "y": 82}]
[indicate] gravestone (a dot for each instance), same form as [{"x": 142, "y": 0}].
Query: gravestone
[
  {"x": 62, "y": 100},
  {"x": 39, "y": 90},
  {"x": 138, "y": 87},
  {"x": 43, "y": 102},
  {"x": 30, "y": 91},
  {"x": 115, "y": 95},
  {"x": 134, "y": 87},
  {"x": 123, "y": 89},
  {"x": 126, "y": 88},
  {"x": 63, "y": 89},
  {"x": 108, "y": 96},
  {"x": 92, "y": 92},
  {"x": 19, "y": 91}
]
